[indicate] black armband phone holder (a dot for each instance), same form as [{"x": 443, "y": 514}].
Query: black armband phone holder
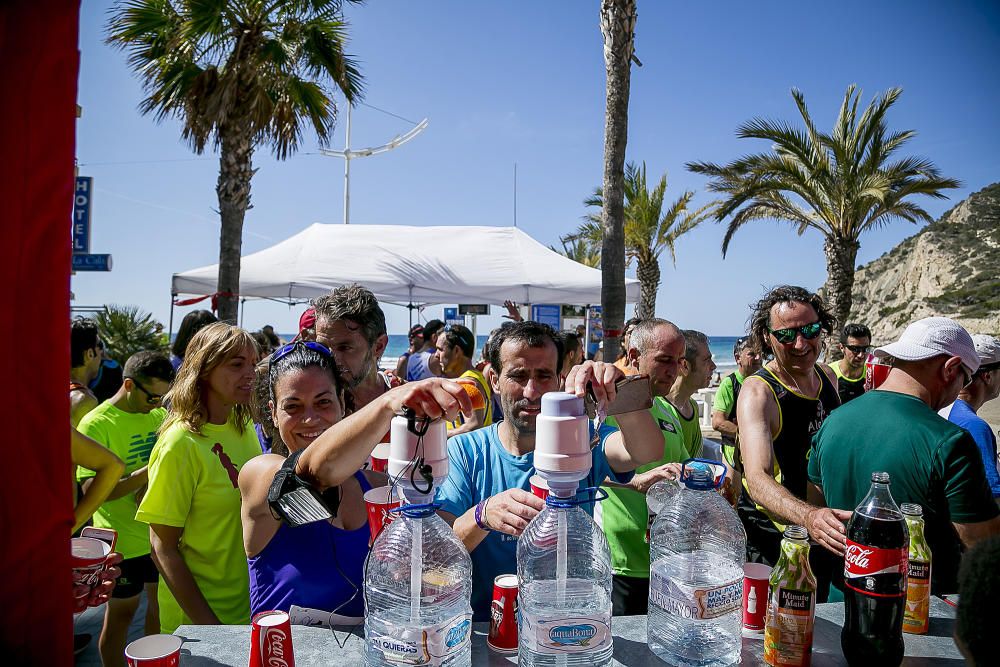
[{"x": 295, "y": 502}]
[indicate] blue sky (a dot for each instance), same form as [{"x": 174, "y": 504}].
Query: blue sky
[{"x": 524, "y": 82}]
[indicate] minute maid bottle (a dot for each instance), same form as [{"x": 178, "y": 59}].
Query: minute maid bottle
[
  {"x": 418, "y": 578},
  {"x": 563, "y": 561},
  {"x": 696, "y": 553}
]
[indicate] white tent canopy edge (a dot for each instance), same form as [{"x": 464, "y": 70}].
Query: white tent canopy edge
[{"x": 411, "y": 265}]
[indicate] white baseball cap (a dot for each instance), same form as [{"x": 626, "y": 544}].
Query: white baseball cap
[
  {"x": 930, "y": 337},
  {"x": 988, "y": 349}
]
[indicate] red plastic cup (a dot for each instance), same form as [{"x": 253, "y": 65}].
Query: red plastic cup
[
  {"x": 271, "y": 640},
  {"x": 755, "y": 585},
  {"x": 88, "y": 558},
  {"x": 876, "y": 371},
  {"x": 379, "y": 460},
  {"x": 379, "y": 501},
  {"x": 539, "y": 486},
  {"x": 154, "y": 651},
  {"x": 503, "y": 615}
]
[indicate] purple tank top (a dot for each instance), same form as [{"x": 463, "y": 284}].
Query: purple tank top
[{"x": 317, "y": 565}]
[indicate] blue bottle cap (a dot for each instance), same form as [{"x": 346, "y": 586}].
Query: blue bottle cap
[{"x": 562, "y": 404}]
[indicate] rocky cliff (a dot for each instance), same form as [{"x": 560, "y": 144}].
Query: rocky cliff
[{"x": 950, "y": 268}]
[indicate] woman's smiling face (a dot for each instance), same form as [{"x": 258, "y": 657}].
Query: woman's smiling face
[{"x": 305, "y": 404}]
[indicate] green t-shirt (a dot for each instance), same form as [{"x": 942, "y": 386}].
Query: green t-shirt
[
  {"x": 193, "y": 485},
  {"x": 131, "y": 437},
  {"x": 724, "y": 396},
  {"x": 690, "y": 428},
  {"x": 930, "y": 461},
  {"x": 624, "y": 514}
]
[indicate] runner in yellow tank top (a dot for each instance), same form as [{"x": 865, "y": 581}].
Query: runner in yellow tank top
[{"x": 455, "y": 347}]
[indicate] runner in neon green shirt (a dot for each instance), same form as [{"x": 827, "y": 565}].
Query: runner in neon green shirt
[{"x": 193, "y": 500}]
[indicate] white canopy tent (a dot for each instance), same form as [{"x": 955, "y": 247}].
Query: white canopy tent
[{"x": 411, "y": 266}]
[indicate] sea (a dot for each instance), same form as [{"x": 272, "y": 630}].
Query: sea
[{"x": 721, "y": 347}]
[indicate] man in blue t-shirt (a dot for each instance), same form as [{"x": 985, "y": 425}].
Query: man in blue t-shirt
[
  {"x": 486, "y": 497},
  {"x": 985, "y": 386}
]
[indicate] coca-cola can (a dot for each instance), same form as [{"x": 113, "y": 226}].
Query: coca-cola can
[
  {"x": 271, "y": 640},
  {"x": 503, "y": 615}
]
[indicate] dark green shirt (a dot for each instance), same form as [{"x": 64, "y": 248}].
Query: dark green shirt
[{"x": 930, "y": 461}]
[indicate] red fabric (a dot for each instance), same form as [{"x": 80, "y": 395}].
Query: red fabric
[{"x": 38, "y": 46}]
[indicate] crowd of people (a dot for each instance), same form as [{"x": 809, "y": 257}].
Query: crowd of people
[{"x": 182, "y": 458}]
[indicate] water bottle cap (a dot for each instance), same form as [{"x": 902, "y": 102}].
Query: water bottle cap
[
  {"x": 912, "y": 509},
  {"x": 880, "y": 478},
  {"x": 698, "y": 476},
  {"x": 562, "y": 404}
]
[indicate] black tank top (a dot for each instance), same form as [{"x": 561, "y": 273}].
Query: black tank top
[{"x": 799, "y": 418}]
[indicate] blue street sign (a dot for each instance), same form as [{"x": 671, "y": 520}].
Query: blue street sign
[
  {"x": 547, "y": 314},
  {"x": 451, "y": 316},
  {"x": 82, "y": 199},
  {"x": 84, "y": 262}
]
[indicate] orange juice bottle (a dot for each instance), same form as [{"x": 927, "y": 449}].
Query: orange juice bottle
[{"x": 918, "y": 573}]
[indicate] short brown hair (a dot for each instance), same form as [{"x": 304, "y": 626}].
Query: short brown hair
[
  {"x": 355, "y": 303},
  {"x": 759, "y": 323}
]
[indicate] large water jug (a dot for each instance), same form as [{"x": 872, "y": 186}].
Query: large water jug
[
  {"x": 418, "y": 577},
  {"x": 563, "y": 560},
  {"x": 697, "y": 551}
]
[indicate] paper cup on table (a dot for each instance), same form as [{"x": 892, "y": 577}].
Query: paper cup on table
[
  {"x": 88, "y": 557},
  {"x": 154, "y": 651},
  {"x": 379, "y": 460},
  {"x": 755, "y": 585},
  {"x": 539, "y": 486},
  {"x": 379, "y": 501},
  {"x": 503, "y": 615}
]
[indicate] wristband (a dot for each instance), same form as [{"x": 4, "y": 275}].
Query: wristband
[{"x": 480, "y": 512}]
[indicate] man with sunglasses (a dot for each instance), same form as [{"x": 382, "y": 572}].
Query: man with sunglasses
[
  {"x": 855, "y": 344},
  {"x": 930, "y": 461},
  {"x": 779, "y": 409},
  {"x": 85, "y": 354},
  {"x": 985, "y": 387},
  {"x": 127, "y": 424}
]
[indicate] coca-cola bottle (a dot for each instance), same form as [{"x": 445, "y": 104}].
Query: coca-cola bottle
[{"x": 875, "y": 565}]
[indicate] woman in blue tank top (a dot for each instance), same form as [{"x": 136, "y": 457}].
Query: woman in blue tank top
[{"x": 319, "y": 567}]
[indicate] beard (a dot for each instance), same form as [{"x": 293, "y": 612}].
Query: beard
[
  {"x": 368, "y": 368},
  {"x": 523, "y": 424}
]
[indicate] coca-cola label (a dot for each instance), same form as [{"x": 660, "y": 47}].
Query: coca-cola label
[
  {"x": 275, "y": 647},
  {"x": 861, "y": 560}
]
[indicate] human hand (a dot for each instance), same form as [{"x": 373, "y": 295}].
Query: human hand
[
  {"x": 644, "y": 480},
  {"x": 599, "y": 375},
  {"x": 433, "y": 398},
  {"x": 826, "y": 526},
  {"x": 509, "y": 512},
  {"x": 512, "y": 312},
  {"x": 101, "y": 591}
]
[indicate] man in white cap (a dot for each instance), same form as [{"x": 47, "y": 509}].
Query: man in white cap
[
  {"x": 985, "y": 386},
  {"x": 896, "y": 429}
]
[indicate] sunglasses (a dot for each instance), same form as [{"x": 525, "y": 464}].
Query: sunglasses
[
  {"x": 860, "y": 349},
  {"x": 151, "y": 398},
  {"x": 788, "y": 336},
  {"x": 286, "y": 350}
]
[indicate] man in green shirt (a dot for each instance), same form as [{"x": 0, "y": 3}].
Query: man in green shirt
[
  {"x": 930, "y": 461},
  {"x": 694, "y": 373},
  {"x": 656, "y": 349},
  {"x": 724, "y": 407},
  {"x": 127, "y": 424}
]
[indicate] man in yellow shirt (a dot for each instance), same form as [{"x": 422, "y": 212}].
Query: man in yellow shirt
[{"x": 455, "y": 347}]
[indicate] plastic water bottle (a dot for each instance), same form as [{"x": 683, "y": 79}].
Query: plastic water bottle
[
  {"x": 657, "y": 496},
  {"x": 697, "y": 552},
  {"x": 418, "y": 577},
  {"x": 563, "y": 559}
]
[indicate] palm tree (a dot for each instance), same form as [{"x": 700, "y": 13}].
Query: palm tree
[
  {"x": 241, "y": 73},
  {"x": 840, "y": 184},
  {"x": 649, "y": 230},
  {"x": 580, "y": 249},
  {"x": 126, "y": 330},
  {"x": 618, "y": 28}
]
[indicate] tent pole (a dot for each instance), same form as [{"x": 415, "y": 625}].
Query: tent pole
[
  {"x": 170, "y": 327},
  {"x": 243, "y": 310},
  {"x": 586, "y": 331}
]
